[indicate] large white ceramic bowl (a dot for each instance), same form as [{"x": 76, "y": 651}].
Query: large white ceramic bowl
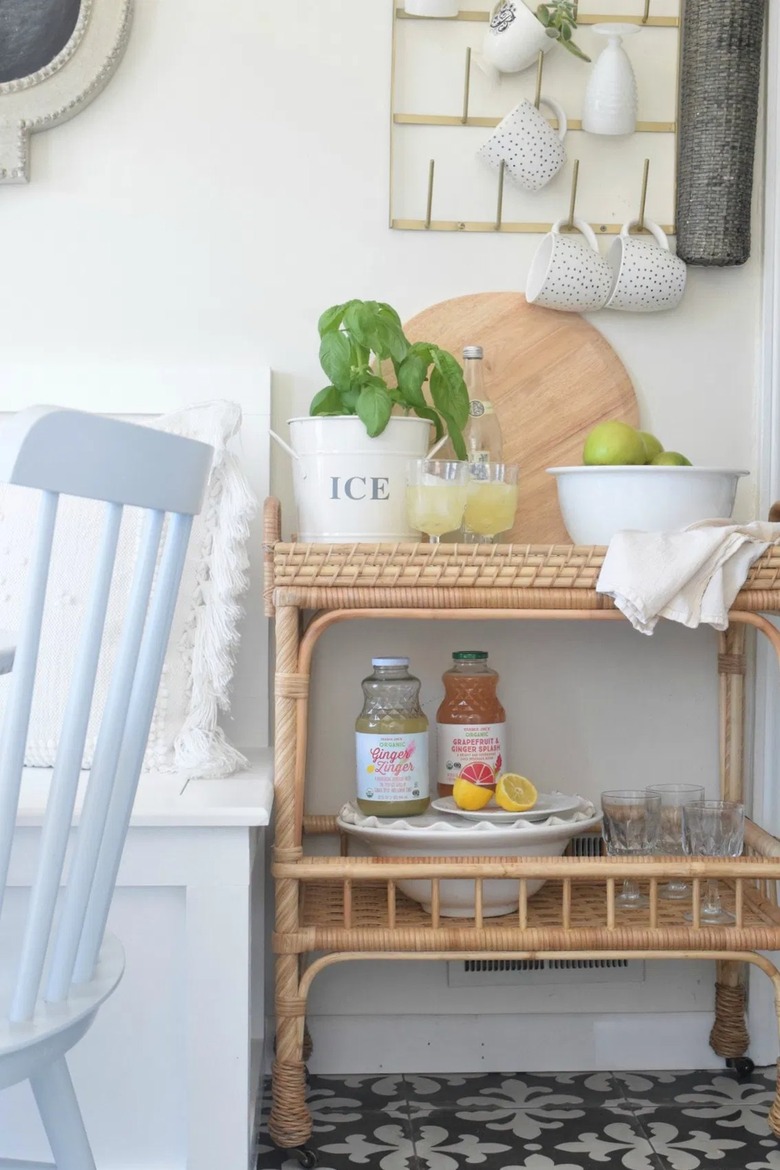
[
  {"x": 597, "y": 502},
  {"x": 438, "y": 835}
]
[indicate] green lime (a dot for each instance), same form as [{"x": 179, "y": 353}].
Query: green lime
[
  {"x": 612, "y": 443},
  {"x": 653, "y": 446},
  {"x": 670, "y": 459}
]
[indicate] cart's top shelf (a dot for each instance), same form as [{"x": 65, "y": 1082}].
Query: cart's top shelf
[{"x": 457, "y": 576}]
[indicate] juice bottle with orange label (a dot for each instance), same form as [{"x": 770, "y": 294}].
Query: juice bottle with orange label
[{"x": 471, "y": 723}]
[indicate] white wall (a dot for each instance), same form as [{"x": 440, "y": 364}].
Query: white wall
[{"x": 230, "y": 184}]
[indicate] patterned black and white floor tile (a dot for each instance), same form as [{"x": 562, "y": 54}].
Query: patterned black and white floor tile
[{"x": 524, "y": 1121}]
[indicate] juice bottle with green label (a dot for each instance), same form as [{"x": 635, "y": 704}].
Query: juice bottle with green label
[{"x": 391, "y": 738}]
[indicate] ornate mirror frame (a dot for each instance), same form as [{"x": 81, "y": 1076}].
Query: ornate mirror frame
[{"x": 63, "y": 87}]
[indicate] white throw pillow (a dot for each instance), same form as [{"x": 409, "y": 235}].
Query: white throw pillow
[{"x": 199, "y": 661}]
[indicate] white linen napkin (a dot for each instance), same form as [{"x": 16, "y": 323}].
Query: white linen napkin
[{"x": 690, "y": 576}]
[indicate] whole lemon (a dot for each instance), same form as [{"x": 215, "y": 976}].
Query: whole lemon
[
  {"x": 670, "y": 459},
  {"x": 612, "y": 443},
  {"x": 653, "y": 446}
]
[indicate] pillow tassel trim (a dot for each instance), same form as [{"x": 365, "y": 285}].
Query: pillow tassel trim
[{"x": 211, "y": 633}]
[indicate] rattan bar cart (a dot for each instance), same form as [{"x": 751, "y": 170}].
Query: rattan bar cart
[{"x": 348, "y": 908}]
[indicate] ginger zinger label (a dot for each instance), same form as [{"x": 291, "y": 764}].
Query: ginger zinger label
[{"x": 393, "y": 766}]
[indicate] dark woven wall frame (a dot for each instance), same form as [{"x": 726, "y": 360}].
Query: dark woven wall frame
[{"x": 720, "y": 71}]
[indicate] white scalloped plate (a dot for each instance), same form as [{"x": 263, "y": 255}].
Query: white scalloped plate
[{"x": 549, "y": 804}]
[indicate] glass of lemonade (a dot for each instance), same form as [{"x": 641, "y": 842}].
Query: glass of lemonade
[
  {"x": 491, "y": 501},
  {"x": 436, "y": 495}
]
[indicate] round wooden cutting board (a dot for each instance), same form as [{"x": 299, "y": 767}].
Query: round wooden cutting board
[{"x": 551, "y": 377}]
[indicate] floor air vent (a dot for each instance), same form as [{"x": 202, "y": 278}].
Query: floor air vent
[{"x": 514, "y": 972}]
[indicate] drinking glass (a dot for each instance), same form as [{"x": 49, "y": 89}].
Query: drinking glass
[
  {"x": 670, "y": 837},
  {"x": 436, "y": 495},
  {"x": 491, "y": 501},
  {"x": 713, "y": 828},
  {"x": 630, "y": 828}
]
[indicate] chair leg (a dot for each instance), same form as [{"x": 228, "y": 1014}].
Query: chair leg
[{"x": 61, "y": 1116}]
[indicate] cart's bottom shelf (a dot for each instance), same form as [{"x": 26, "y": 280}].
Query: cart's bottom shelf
[{"x": 553, "y": 919}]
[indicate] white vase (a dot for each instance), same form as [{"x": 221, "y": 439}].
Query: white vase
[
  {"x": 610, "y": 105},
  {"x": 438, "y": 8},
  {"x": 513, "y": 40}
]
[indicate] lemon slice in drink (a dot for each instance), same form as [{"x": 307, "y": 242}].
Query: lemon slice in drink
[
  {"x": 515, "y": 793},
  {"x": 470, "y": 797}
]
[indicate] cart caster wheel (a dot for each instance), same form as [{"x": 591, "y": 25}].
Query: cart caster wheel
[
  {"x": 307, "y": 1158},
  {"x": 743, "y": 1066}
]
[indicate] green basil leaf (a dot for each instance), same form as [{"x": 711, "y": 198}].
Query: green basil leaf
[
  {"x": 359, "y": 320},
  {"x": 456, "y": 435},
  {"x": 397, "y": 344},
  {"x": 349, "y": 399},
  {"x": 432, "y": 417},
  {"x": 448, "y": 389},
  {"x": 327, "y": 401},
  {"x": 411, "y": 374},
  {"x": 330, "y": 319},
  {"x": 374, "y": 406},
  {"x": 422, "y": 349},
  {"x": 389, "y": 311},
  {"x": 336, "y": 358}
]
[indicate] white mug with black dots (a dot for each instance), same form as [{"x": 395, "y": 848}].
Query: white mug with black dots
[
  {"x": 646, "y": 276},
  {"x": 567, "y": 273},
  {"x": 530, "y": 147}
]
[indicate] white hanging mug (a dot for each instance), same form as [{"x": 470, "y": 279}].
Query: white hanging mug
[
  {"x": 568, "y": 275},
  {"x": 514, "y": 39},
  {"x": 646, "y": 276},
  {"x": 532, "y": 151}
]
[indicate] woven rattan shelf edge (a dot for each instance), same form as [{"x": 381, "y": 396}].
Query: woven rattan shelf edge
[{"x": 416, "y": 575}]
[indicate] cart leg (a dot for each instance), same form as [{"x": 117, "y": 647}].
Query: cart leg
[
  {"x": 774, "y": 1112},
  {"x": 729, "y": 1036},
  {"x": 290, "y": 1122}
]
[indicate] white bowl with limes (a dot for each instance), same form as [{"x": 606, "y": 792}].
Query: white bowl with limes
[
  {"x": 597, "y": 502},
  {"x": 436, "y": 835}
]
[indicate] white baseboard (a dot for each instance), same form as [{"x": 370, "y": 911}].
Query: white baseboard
[{"x": 508, "y": 1043}]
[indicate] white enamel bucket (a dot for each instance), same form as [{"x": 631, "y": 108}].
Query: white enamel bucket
[{"x": 350, "y": 487}]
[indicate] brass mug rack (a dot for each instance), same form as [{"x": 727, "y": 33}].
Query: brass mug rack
[{"x": 465, "y": 119}]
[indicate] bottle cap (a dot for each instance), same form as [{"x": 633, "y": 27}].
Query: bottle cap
[
  {"x": 472, "y": 351},
  {"x": 390, "y": 661},
  {"x": 470, "y": 655}
]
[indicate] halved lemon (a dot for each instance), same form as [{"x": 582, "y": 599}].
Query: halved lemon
[
  {"x": 471, "y": 797},
  {"x": 515, "y": 793}
]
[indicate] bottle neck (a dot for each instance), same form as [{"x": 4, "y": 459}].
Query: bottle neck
[
  {"x": 478, "y": 666},
  {"x": 390, "y": 673},
  {"x": 474, "y": 377}
]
